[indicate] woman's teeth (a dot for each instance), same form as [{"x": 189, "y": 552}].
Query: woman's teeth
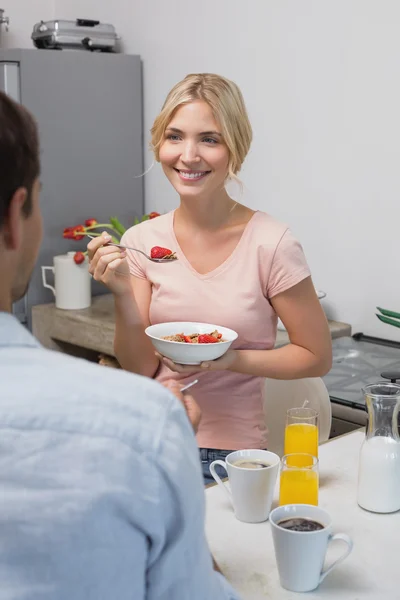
[{"x": 193, "y": 174}]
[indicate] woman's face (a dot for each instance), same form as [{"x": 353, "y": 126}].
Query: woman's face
[{"x": 193, "y": 154}]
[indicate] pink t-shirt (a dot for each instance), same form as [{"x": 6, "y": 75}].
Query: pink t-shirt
[{"x": 266, "y": 261}]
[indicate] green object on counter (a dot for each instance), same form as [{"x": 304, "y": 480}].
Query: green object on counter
[
  {"x": 389, "y": 313},
  {"x": 389, "y": 321}
]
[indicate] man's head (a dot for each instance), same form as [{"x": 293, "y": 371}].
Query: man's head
[{"x": 20, "y": 217}]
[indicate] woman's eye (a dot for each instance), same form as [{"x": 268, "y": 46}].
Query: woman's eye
[
  {"x": 210, "y": 141},
  {"x": 173, "y": 137}
]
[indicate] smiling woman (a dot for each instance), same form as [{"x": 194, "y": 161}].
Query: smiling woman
[
  {"x": 194, "y": 159},
  {"x": 224, "y": 117},
  {"x": 238, "y": 269}
]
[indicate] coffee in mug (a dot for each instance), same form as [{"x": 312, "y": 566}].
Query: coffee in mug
[
  {"x": 245, "y": 463},
  {"x": 252, "y": 477},
  {"x": 300, "y": 524},
  {"x": 302, "y": 534}
]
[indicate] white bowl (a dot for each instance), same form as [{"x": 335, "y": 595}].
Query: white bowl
[{"x": 189, "y": 354}]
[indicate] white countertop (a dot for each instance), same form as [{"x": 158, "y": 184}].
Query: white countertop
[{"x": 245, "y": 551}]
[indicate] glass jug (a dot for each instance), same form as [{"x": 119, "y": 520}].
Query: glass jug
[{"x": 379, "y": 466}]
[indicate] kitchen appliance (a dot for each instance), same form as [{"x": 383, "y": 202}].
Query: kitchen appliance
[
  {"x": 358, "y": 361},
  {"x": 81, "y": 34},
  {"x": 88, "y": 107}
]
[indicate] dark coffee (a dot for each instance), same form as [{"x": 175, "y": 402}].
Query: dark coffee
[
  {"x": 246, "y": 463},
  {"x": 300, "y": 524}
]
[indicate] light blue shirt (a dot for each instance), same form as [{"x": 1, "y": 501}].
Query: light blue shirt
[{"x": 101, "y": 493}]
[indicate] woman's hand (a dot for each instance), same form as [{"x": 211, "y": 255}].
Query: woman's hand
[
  {"x": 219, "y": 364},
  {"x": 108, "y": 265},
  {"x": 190, "y": 405}
]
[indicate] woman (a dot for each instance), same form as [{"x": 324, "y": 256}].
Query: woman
[{"x": 237, "y": 268}]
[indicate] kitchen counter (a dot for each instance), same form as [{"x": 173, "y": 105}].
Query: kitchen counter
[
  {"x": 91, "y": 330},
  {"x": 245, "y": 553}
]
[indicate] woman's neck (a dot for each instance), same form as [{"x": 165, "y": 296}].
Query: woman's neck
[{"x": 206, "y": 213}]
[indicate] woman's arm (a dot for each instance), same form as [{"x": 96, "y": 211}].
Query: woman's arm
[
  {"x": 309, "y": 353},
  {"x": 132, "y": 347}
]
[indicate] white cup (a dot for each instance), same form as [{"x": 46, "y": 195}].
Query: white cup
[
  {"x": 72, "y": 282},
  {"x": 300, "y": 555},
  {"x": 251, "y": 490}
]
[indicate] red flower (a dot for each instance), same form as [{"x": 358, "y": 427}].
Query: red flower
[
  {"x": 74, "y": 233},
  {"x": 79, "y": 258},
  {"x": 90, "y": 222},
  {"x": 68, "y": 233},
  {"x": 153, "y": 215},
  {"x": 76, "y": 229}
]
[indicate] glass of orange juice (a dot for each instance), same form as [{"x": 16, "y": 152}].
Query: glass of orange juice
[
  {"x": 299, "y": 484},
  {"x": 301, "y": 432}
]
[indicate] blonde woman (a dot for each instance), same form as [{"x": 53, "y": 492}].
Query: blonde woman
[{"x": 237, "y": 267}]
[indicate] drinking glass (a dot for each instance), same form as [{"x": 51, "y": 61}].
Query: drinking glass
[
  {"x": 299, "y": 479},
  {"x": 301, "y": 432}
]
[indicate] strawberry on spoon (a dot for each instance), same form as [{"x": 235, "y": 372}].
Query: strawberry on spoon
[{"x": 160, "y": 252}]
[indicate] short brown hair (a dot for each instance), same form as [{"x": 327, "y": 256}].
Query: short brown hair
[
  {"x": 19, "y": 153},
  {"x": 226, "y": 101}
]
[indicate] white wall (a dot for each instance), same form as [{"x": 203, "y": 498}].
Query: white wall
[
  {"x": 321, "y": 83},
  {"x": 23, "y": 15}
]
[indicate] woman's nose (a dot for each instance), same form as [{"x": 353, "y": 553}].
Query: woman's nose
[{"x": 190, "y": 153}]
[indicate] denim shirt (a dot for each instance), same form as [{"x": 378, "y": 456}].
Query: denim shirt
[{"x": 101, "y": 494}]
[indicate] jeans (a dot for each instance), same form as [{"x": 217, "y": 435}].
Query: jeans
[{"x": 207, "y": 455}]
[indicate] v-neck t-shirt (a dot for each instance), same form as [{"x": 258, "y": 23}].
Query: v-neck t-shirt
[{"x": 266, "y": 261}]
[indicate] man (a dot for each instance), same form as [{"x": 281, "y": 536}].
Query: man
[{"x": 101, "y": 490}]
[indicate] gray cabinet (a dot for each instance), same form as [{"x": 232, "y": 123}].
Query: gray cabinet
[{"x": 89, "y": 111}]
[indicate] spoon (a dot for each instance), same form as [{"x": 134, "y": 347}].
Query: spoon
[
  {"x": 156, "y": 260},
  {"x": 189, "y": 385}
]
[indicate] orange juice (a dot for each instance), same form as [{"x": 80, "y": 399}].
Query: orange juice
[
  {"x": 301, "y": 437},
  {"x": 298, "y": 486}
]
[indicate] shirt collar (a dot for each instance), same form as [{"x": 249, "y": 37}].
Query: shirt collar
[{"x": 13, "y": 333}]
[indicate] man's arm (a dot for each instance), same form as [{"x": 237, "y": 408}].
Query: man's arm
[{"x": 180, "y": 566}]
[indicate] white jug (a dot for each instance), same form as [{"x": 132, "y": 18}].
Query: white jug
[
  {"x": 72, "y": 282},
  {"x": 379, "y": 466}
]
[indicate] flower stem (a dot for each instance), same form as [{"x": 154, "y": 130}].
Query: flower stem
[{"x": 103, "y": 226}]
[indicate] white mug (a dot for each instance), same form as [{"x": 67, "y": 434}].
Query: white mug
[
  {"x": 300, "y": 555},
  {"x": 72, "y": 282},
  {"x": 251, "y": 490}
]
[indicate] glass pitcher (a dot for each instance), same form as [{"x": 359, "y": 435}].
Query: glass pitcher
[{"x": 379, "y": 466}]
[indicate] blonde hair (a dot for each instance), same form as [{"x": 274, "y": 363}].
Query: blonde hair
[{"x": 226, "y": 101}]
